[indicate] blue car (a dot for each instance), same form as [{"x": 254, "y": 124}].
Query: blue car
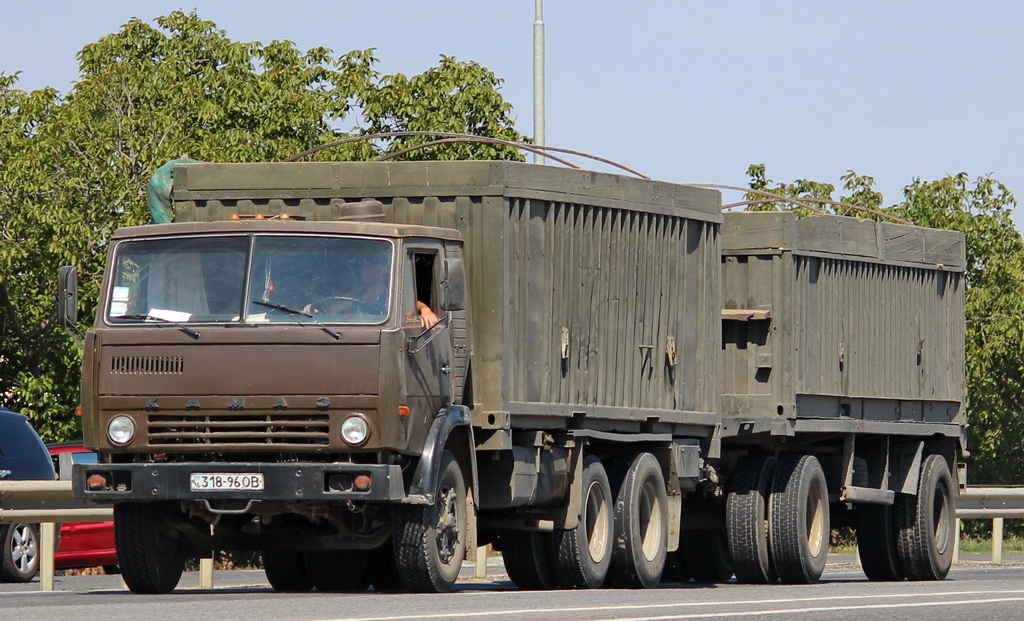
[{"x": 23, "y": 457}]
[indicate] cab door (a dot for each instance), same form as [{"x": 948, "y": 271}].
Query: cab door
[{"x": 428, "y": 349}]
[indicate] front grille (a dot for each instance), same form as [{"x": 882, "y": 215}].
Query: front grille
[
  {"x": 274, "y": 429},
  {"x": 147, "y": 365}
]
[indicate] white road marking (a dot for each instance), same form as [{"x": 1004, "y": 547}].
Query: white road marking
[
  {"x": 762, "y": 602},
  {"x": 791, "y": 611}
]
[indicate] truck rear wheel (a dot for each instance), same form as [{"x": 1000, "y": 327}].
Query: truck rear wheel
[
  {"x": 529, "y": 559},
  {"x": 746, "y": 513},
  {"x": 286, "y": 571},
  {"x": 430, "y": 540},
  {"x": 876, "y": 543},
  {"x": 799, "y": 520},
  {"x": 337, "y": 571},
  {"x": 149, "y": 550},
  {"x": 926, "y": 523},
  {"x": 584, "y": 553},
  {"x": 641, "y": 526},
  {"x": 705, "y": 555}
]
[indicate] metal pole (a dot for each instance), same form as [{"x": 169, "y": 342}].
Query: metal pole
[{"x": 538, "y": 79}]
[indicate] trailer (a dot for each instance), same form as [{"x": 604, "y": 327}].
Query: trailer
[
  {"x": 367, "y": 370},
  {"x": 843, "y": 393}
]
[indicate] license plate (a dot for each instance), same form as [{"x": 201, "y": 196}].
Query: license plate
[{"x": 227, "y": 481}]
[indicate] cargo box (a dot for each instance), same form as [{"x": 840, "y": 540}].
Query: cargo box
[{"x": 837, "y": 318}]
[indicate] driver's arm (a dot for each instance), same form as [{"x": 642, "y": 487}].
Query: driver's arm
[{"x": 427, "y": 316}]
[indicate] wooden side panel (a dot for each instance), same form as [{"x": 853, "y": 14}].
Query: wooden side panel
[
  {"x": 597, "y": 295},
  {"x": 866, "y": 319}
]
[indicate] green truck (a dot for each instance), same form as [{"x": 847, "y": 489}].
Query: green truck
[{"x": 368, "y": 370}]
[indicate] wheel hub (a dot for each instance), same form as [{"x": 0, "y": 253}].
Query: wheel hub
[{"x": 447, "y": 527}]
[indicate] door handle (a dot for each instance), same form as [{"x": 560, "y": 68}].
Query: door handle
[{"x": 446, "y": 368}]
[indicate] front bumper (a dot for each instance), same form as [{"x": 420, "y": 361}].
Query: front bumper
[{"x": 292, "y": 482}]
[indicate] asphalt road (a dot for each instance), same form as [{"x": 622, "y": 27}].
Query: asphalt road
[{"x": 972, "y": 591}]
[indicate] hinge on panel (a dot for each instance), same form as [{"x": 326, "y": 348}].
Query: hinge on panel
[{"x": 670, "y": 351}]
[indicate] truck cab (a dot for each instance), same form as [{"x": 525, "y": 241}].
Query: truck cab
[{"x": 263, "y": 373}]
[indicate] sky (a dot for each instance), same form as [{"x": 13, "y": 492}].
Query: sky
[{"x": 680, "y": 90}]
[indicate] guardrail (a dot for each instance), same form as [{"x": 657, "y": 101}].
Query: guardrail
[
  {"x": 995, "y": 503},
  {"x": 50, "y": 502}
]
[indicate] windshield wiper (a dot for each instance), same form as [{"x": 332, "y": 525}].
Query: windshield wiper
[
  {"x": 161, "y": 321},
  {"x": 292, "y": 311}
]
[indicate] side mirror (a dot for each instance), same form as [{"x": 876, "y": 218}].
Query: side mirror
[
  {"x": 67, "y": 296},
  {"x": 453, "y": 285}
]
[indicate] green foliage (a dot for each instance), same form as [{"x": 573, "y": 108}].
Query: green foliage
[
  {"x": 995, "y": 313},
  {"x": 981, "y": 210},
  {"x": 74, "y": 167}
]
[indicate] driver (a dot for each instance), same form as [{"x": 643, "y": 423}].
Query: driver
[{"x": 366, "y": 286}]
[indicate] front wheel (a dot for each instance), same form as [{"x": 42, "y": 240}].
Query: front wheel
[
  {"x": 20, "y": 560},
  {"x": 149, "y": 549},
  {"x": 799, "y": 520},
  {"x": 430, "y": 540},
  {"x": 746, "y": 512},
  {"x": 337, "y": 571},
  {"x": 926, "y": 523},
  {"x": 286, "y": 571}
]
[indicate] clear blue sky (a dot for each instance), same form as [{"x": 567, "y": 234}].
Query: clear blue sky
[{"x": 680, "y": 90}]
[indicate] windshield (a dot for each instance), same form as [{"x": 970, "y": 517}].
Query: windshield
[{"x": 261, "y": 278}]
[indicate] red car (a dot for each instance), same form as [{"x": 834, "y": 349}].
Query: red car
[{"x": 87, "y": 544}]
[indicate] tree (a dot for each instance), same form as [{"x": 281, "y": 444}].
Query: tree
[
  {"x": 994, "y": 276},
  {"x": 75, "y": 167}
]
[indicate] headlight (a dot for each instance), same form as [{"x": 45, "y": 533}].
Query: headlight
[
  {"x": 355, "y": 430},
  {"x": 121, "y": 430}
]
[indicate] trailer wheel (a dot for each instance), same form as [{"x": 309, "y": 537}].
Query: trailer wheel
[
  {"x": 799, "y": 520},
  {"x": 149, "y": 550},
  {"x": 337, "y": 571},
  {"x": 286, "y": 571},
  {"x": 876, "y": 543},
  {"x": 675, "y": 568},
  {"x": 746, "y": 513},
  {"x": 925, "y": 524},
  {"x": 705, "y": 555},
  {"x": 430, "y": 540},
  {"x": 529, "y": 559},
  {"x": 641, "y": 526},
  {"x": 584, "y": 553},
  {"x": 20, "y": 560}
]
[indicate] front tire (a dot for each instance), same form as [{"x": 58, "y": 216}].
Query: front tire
[
  {"x": 337, "y": 571},
  {"x": 641, "y": 526},
  {"x": 20, "y": 560},
  {"x": 926, "y": 523},
  {"x": 800, "y": 527},
  {"x": 876, "y": 543},
  {"x": 149, "y": 551},
  {"x": 430, "y": 540},
  {"x": 746, "y": 513},
  {"x": 286, "y": 571}
]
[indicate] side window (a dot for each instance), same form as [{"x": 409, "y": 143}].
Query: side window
[{"x": 420, "y": 285}]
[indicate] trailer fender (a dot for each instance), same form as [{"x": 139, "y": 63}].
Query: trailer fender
[{"x": 451, "y": 430}]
